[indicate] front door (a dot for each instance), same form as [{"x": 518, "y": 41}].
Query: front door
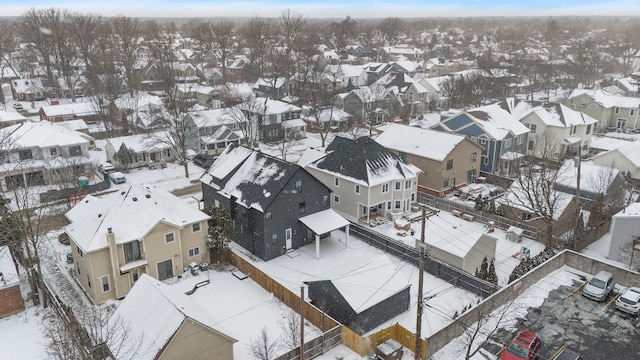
[{"x": 287, "y": 237}]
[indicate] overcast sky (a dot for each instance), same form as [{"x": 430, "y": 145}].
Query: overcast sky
[{"x": 330, "y": 8}]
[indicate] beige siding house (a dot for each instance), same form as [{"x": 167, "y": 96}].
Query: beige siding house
[
  {"x": 141, "y": 230},
  {"x": 367, "y": 181},
  {"x": 447, "y": 161},
  {"x": 156, "y": 321}
]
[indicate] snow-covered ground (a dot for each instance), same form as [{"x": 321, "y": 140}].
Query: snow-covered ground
[{"x": 22, "y": 335}]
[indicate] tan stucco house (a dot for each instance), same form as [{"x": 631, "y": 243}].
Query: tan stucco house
[
  {"x": 139, "y": 230},
  {"x": 448, "y": 161},
  {"x": 156, "y": 321}
]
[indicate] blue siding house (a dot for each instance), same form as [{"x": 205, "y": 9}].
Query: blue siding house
[{"x": 497, "y": 129}]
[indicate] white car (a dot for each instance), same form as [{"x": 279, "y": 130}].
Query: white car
[
  {"x": 600, "y": 286},
  {"x": 629, "y": 302},
  {"x": 117, "y": 177},
  {"x": 107, "y": 168}
]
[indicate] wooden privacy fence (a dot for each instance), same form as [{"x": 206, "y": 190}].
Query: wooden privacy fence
[
  {"x": 366, "y": 345},
  {"x": 316, "y": 346},
  {"x": 315, "y": 316}
]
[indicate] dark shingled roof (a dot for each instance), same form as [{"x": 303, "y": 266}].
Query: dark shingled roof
[
  {"x": 260, "y": 184},
  {"x": 358, "y": 158}
]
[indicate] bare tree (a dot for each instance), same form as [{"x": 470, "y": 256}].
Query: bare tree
[
  {"x": 534, "y": 189},
  {"x": 257, "y": 34},
  {"x": 7, "y": 46},
  {"x": 375, "y": 101},
  {"x": 128, "y": 31},
  {"x": 244, "y": 115},
  {"x": 483, "y": 325},
  {"x": 263, "y": 347},
  {"x": 390, "y": 29},
  {"x": 91, "y": 334},
  {"x": 291, "y": 24},
  {"x": 35, "y": 30},
  {"x": 290, "y": 329},
  {"x": 344, "y": 31}
]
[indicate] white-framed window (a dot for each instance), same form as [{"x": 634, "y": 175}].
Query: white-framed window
[
  {"x": 445, "y": 182},
  {"x": 407, "y": 184},
  {"x": 298, "y": 185},
  {"x": 325, "y": 199},
  {"x": 169, "y": 237},
  {"x": 389, "y": 205},
  {"x": 519, "y": 139},
  {"x": 53, "y": 151},
  {"x": 267, "y": 215},
  {"x": 507, "y": 143},
  {"x": 398, "y": 185},
  {"x": 398, "y": 204},
  {"x": 450, "y": 164},
  {"x": 632, "y": 112},
  {"x": 104, "y": 280},
  {"x": 336, "y": 199},
  {"x": 485, "y": 160},
  {"x": 526, "y": 216},
  {"x": 385, "y": 188},
  {"x": 533, "y": 128},
  {"x": 135, "y": 275},
  {"x": 336, "y": 182},
  {"x": 195, "y": 227},
  {"x": 474, "y": 156},
  {"x": 194, "y": 251},
  {"x": 483, "y": 141},
  {"x": 357, "y": 189},
  {"x": 617, "y": 110}
]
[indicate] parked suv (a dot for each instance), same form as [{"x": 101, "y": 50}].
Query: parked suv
[
  {"x": 600, "y": 286},
  {"x": 117, "y": 178},
  {"x": 629, "y": 302}
]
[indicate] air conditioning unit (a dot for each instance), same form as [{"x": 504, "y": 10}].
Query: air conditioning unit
[
  {"x": 468, "y": 217},
  {"x": 456, "y": 213}
]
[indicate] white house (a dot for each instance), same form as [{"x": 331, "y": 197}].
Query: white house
[{"x": 557, "y": 123}]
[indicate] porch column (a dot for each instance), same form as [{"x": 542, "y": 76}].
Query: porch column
[
  {"x": 346, "y": 239},
  {"x": 317, "y": 246}
]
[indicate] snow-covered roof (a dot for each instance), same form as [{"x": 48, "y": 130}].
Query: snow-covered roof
[
  {"x": 230, "y": 158},
  {"x": 630, "y": 150},
  {"x": 364, "y": 161},
  {"x": 324, "y": 221},
  {"x": 593, "y": 178},
  {"x": 9, "y": 116},
  {"x": 151, "y": 314},
  {"x": 130, "y": 213},
  {"x": 558, "y": 115},
  {"x": 138, "y": 143},
  {"x": 498, "y": 120},
  {"x": 274, "y": 107},
  {"x": 608, "y": 100},
  {"x": 42, "y": 134},
  {"x": 425, "y": 143},
  {"x": 213, "y": 117},
  {"x": 516, "y": 197},
  {"x": 377, "y": 274},
  {"x": 24, "y": 85},
  {"x": 77, "y": 109}
]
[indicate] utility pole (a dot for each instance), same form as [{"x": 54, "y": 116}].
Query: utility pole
[
  {"x": 302, "y": 322},
  {"x": 421, "y": 247},
  {"x": 577, "y": 199}
]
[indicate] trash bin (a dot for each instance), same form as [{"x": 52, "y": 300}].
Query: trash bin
[
  {"x": 83, "y": 181},
  {"x": 204, "y": 267}
]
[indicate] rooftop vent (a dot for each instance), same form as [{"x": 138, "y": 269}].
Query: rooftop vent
[
  {"x": 148, "y": 196},
  {"x": 109, "y": 231},
  {"x": 135, "y": 199}
]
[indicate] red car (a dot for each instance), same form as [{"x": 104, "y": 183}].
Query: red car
[{"x": 525, "y": 346}]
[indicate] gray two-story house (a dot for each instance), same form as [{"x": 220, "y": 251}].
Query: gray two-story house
[{"x": 269, "y": 200}]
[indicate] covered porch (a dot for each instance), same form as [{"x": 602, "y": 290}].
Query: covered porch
[{"x": 324, "y": 222}]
